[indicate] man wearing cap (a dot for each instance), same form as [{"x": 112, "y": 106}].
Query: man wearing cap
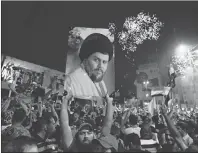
[
  {"x": 87, "y": 80},
  {"x": 82, "y": 141}
]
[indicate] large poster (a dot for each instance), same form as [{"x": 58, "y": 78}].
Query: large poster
[
  {"x": 148, "y": 77},
  {"x": 76, "y": 37}
]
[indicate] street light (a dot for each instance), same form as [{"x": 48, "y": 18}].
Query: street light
[
  {"x": 146, "y": 82},
  {"x": 182, "y": 49}
]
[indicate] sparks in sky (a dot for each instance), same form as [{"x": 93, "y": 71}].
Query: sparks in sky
[
  {"x": 185, "y": 61},
  {"x": 137, "y": 29}
]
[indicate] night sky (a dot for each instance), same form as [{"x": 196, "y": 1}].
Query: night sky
[{"x": 37, "y": 31}]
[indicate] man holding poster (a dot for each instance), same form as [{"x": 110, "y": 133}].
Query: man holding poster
[{"x": 87, "y": 80}]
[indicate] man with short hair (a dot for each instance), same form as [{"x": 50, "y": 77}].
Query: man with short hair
[
  {"x": 133, "y": 143},
  {"x": 87, "y": 80},
  {"x": 16, "y": 129},
  {"x": 133, "y": 119},
  {"x": 45, "y": 128}
]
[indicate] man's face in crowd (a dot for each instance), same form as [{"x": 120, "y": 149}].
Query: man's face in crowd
[
  {"x": 195, "y": 139},
  {"x": 147, "y": 120},
  {"x": 140, "y": 120},
  {"x": 75, "y": 116},
  {"x": 168, "y": 138},
  {"x": 51, "y": 127},
  {"x": 85, "y": 136},
  {"x": 182, "y": 132},
  {"x": 96, "y": 66}
]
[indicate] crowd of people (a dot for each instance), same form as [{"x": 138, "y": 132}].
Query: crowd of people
[{"x": 42, "y": 128}]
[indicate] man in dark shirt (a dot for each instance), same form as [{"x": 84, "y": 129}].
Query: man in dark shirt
[{"x": 45, "y": 128}]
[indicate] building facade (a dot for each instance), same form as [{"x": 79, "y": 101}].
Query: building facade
[{"x": 147, "y": 77}]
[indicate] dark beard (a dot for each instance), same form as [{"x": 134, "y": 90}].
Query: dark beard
[
  {"x": 91, "y": 74},
  {"x": 95, "y": 79},
  {"x": 84, "y": 147}
]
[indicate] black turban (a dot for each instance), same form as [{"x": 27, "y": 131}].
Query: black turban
[{"x": 96, "y": 43}]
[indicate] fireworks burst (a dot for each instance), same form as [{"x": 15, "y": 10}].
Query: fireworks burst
[
  {"x": 188, "y": 59},
  {"x": 136, "y": 30}
]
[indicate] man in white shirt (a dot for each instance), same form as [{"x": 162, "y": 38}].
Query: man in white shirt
[
  {"x": 87, "y": 80},
  {"x": 134, "y": 126}
]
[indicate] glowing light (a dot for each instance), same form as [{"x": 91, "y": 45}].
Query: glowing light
[
  {"x": 147, "y": 95},
  {"x": 146, "y": 82},
  {"x": 182, "y": 49},
  {"x": 184, "y": 77}
]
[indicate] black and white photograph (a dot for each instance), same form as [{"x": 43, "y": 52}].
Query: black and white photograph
[{"x": 99, "y": 76}]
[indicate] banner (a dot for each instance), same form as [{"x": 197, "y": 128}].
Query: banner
[
  {"x": 22, "y": 77},
  {"x": 83, "y": 105},
  {"x": 160, "y": 91}
]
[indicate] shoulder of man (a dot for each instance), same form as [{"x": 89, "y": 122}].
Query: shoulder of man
[
  {"x": 73, "y": 147},
  {"x": 13, "y": 132},
  {"x": 72, "y": 76},
  {"x": 22, "y": 131},
  {"x": 74, "y": 73},
  {"x": 68, "y": 79},
  {"x": 8, "y": 131}
]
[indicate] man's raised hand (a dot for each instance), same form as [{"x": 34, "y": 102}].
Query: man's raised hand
[
  {"x": 164, "y": 109},
  {"x": 109, "y": 99}
]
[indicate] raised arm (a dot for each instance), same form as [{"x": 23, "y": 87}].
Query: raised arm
[
  {"x": 40, "y": 106},
  {"x": 30, "y": 124},
  {"x": 173, "y": 130},
  {"x": 108, "y": 120},
  {"x": 64, "y": 122},
  {"x": 54, "y": 113},
  {"x": 24, "y": 106},
  {"x": 125, "y": 118}
]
